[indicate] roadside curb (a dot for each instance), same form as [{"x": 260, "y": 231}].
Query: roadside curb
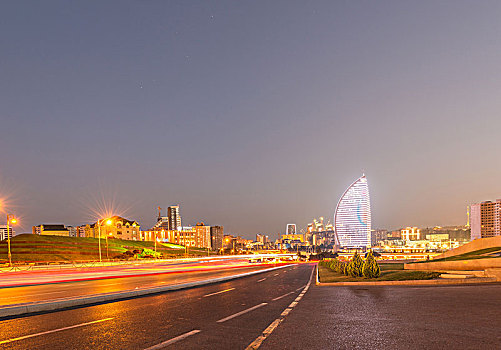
[
  {"x": 59, "y": 304},
  {"x": 479, "y": 280}
]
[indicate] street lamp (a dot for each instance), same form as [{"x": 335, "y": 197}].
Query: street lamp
[
  {"x": 108, "y": 223},
  {"x": 13, "y": 220}
]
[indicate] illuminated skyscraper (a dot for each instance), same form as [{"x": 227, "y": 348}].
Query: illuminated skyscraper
[
  {"x": 352, "y": 219},
  {"x": 174, "y": 217}
]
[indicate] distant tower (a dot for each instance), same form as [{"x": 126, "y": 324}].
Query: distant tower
[
  {"x": 352, "y": 219},
  {"x": 174, "y": 217},
  {"x": 468, "y": 216},
  {"x": 159, "y": 214},
  {"x": 291, "y": 229}
]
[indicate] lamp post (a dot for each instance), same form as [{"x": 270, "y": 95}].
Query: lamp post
[
  {"x": 99, "y": 237},
  {"x": 108, "y": 223},
  {"x": 10, "y": 219}
]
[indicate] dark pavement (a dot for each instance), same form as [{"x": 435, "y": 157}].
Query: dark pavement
[
  {"x": 44, "y": 292},
  {"x": 400, "y": 317},
  {"x": 144, "y": 322},
  {"x": 231, "y": 315}
]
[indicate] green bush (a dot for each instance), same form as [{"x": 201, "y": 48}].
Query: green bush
[
  {"x": 370, "y": 267},
  {"x": 354, "y": 267}
]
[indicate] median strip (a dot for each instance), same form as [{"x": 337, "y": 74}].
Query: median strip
[{"x": 53, "y": 331}]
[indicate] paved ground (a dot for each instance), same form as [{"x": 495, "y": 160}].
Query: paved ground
[
  {"x": 449, "y": 317},
  {"x": 231, "y": 315},
  {"x": 144, "y": 322},
  {"x": 45, "y": 292}
]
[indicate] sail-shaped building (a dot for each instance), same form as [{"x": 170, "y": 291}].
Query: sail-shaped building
[{"x": 352, "y": 219}]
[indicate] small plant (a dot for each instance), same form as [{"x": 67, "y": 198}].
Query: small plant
[{"x": 370, "y": 268}]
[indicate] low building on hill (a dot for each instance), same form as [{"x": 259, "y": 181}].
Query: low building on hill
[
  {"x": 116, "y": 227},
  {"x": 4, "y": 234},
  {"x": 51, "y": 230}
]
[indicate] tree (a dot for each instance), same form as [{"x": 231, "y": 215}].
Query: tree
[
  {"x": 354, "y": 267},
  {"x": 371, "y": 268}
]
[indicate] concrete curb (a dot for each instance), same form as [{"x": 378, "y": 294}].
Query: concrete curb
[
  {"x": 479, "y": 280},
  {"x": 59, "y": 304}
]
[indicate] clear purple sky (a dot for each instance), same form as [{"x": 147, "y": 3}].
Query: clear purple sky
[{"x": 249, "y": 114}]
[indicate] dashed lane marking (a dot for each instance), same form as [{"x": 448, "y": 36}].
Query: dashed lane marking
[
  {"x": 261, "y": 280},
  {"x": 242, "y": 312},
  {"x": 221, "y": 291},
  {"x": 173, "y": 340},
  {"x": 54, "y": 331},
  {"x": 282, "y": 296},
  {"x": 266, "y": 333}
]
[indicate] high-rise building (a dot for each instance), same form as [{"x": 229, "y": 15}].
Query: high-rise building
[
  {"x": 162, "y": 222},
  {"x": 216, "y": 237},
  {"x": 485, "y": 219},
  {"x": 4, "y": 234},
  {"x": 411, "y": 234},
  {"x": 174, "y": 217},
  {"x": 378, "y": 236},
  {"x": 262, "y": 239},
  {"x": 203, "y": 238},
  {"x": 291, "y": 229},
  {"x": 352, "y": 219}
]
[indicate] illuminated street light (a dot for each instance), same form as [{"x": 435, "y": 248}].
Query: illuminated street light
[
  {"x": 108, "y": 223},
  {"x": 10, "y": 220}
]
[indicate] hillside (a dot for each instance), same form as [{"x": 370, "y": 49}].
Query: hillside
[{"x": 35, "y": 248}]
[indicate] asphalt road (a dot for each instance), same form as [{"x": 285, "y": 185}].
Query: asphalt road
[
  {"x": 387, "y": 317},
  {"x": 228, "y": 315},
  {"x": 44, "y": 292}
]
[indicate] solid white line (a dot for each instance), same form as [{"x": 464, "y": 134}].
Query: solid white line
[
  {"x": 259, "y": 340},
  {"x": 242, "y": 312},
  {"x": 262, "y": 279},
  {"x": 53, "y": 331},
  {"x": 173, "y": 340},
  {"x": 222, "y": 291},
  {"x": 299, "y": 288}
]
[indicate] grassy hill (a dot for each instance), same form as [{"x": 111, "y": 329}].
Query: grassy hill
[
  {"x": 492, "y": 252},
  {"x": 35, "y": 248}
]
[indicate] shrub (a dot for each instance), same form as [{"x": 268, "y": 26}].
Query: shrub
[
  {"x": 371, "y": 268},
  {"x": 354, "y": 267}
]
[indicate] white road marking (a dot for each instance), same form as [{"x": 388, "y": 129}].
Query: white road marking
[
  {"x": 173, "y": 340},
  {"x": 222, "y": 291},
  {"x": 242, "y": 312},
  {"x": 276, "y": 274},
  {"x": 282, "y": 296},
  {"x": 262, "y": 279},
  {"x": 259, "y": 340},
  {"x": 53, "y": 331}
]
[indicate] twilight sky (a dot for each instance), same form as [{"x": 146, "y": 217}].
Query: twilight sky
[{"x": 249, "y": 114}]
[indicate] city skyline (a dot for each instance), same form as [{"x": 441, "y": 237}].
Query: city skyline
[{"x": 249, "y": 116}]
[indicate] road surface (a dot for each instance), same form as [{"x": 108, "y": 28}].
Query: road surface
[
  {"x": 228, "y": 315},
  {"x": 234, "y": 314}
]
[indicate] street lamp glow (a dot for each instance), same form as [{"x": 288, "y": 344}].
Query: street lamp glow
[
  {"x": 10, "y": 220},
  {"x": 109, "y": 222}
]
